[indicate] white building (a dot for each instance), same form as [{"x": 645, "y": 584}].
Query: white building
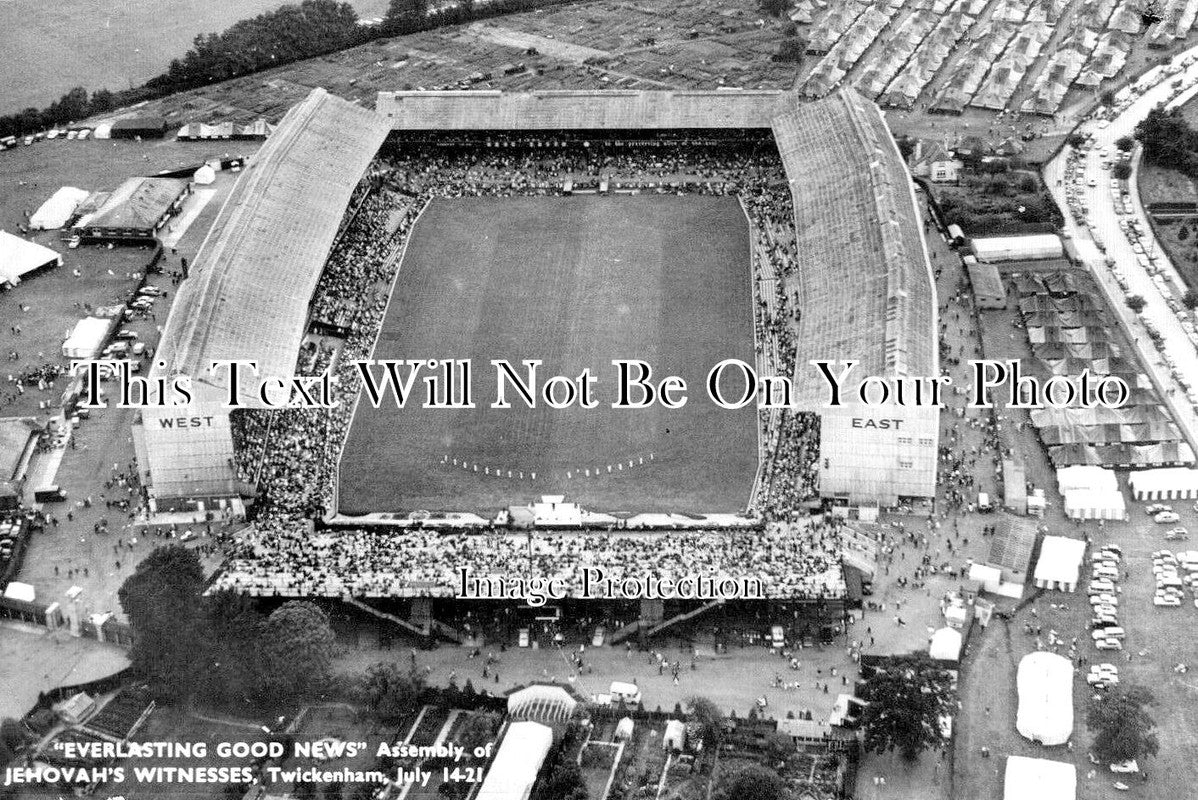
[{"x": 878, "y": 454}]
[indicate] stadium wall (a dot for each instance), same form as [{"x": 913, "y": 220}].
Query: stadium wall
[{"x": 885, "y": 454}]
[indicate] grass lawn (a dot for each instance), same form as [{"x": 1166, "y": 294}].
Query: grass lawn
[
  {"x": 1161, "y": 185},
  {"x": 576, "y": 282}
]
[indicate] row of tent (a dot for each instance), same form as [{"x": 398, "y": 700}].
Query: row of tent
[
  {"x": 1070, "y": 331},
  {"x": 202, "y": 131}
]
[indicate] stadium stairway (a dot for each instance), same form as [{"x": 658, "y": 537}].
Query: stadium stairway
[
  {"x": 620, "y": 634},
  {"x": 680, "y": 618},
  {"x": 434, "y": 629}
]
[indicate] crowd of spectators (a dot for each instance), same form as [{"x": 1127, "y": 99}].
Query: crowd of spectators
[
  {"x": 283, "y": 556},
  {"x": 292, "y": 454}
]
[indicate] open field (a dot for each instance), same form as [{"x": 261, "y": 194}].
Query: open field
[
  {"x": 48, "y": 48},
  {"x": 576, "y": 282}
]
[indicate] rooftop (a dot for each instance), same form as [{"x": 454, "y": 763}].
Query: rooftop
[
  {"x": 254, "y": 275},
  {"x": 138, "y": 203},
  {"x": 494, "y": 110},
  {"x": 866, "y": 283}
]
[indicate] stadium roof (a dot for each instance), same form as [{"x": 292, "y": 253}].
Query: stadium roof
[
  {"x": 868, "y": 293},
  {"x": 251, "y": 282},
  {"x": 494, "y": 110},
  {"x": 866, "y": 284}
]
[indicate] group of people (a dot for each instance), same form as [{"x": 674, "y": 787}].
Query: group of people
[
  {"x": 283, "y": 556},
  {"x": 292, "y": 454}
]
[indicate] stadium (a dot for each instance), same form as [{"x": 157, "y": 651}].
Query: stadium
[{"x": 681, "y": 228}]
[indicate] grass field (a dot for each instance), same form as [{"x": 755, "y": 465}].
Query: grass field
[
  {"x": 48, "y": 48},
  {"x": 576, "y": 282}
]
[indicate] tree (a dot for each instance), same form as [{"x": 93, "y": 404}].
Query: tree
[
  {"x": 775, "y": 8},
  {"x": 1124, "y": 730},
  {"x": 709, "y": 717},
  {"x": 1125, "y": 143},
  {"x": 235, "y": 667},
  {"x": 1121, "y": 171},
  {"x": 477, "y": 730},
  {"x": 12, "y": 741},
  {"x": 162, "y": 601},
  {"x": 298, "y": 647},
  {"x": 389, "y": 691},
  {"x": 1075, "y": 140},
  {"x": 790, "y": 51},
  {"x": 1107, "y": 98},
  {"x": 564, "y": 783},
  {"x": 405, "y": 16},
  {"x": 1135, "y": 302},
  {"x": 753, "y": 781},
  {"x": 778, "y": 747},
  {"x": 1167, "y": 138},
  {"x": 906, "y": 698}
]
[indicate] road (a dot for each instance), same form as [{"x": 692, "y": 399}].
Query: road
[{"x": 1177, "y": 355}]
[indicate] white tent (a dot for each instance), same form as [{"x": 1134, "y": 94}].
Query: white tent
[
  {"x": 1045, "y": 684},
  {"x": 516, "y": 764},
  {"x": 1095, "y": 504},
  {"x": 675, "y": 736},
  {"x": 19, "y": 257},
  {"x": 541, "y": 703},
  {"x": 1018, "y": 248},
  {"x": 20, "y": 591},
  {"x": 1060, "y": 563},
  {"x": 945, "y": 645},
  {"x": 1039, "y": 778},
  {"x": 1170, "y": 483},
  {"x": 55, "y": 212},
  {"x": 1086, "y": 477},
  {"x": 1091, "y": 492},
  {"x": 204, "y": 175},
  {"x": 87, "y": 338}
]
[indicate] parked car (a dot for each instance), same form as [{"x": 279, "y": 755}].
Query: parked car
[
  {"x": 1166, "y": 518},
  {"x": 1109, "y": 644},
  {"x": 1157, "y": 508}
]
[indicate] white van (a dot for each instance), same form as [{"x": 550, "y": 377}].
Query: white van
[
  {"x": 777, "y": 637},
  {"x": 1113, "y": 632}
]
